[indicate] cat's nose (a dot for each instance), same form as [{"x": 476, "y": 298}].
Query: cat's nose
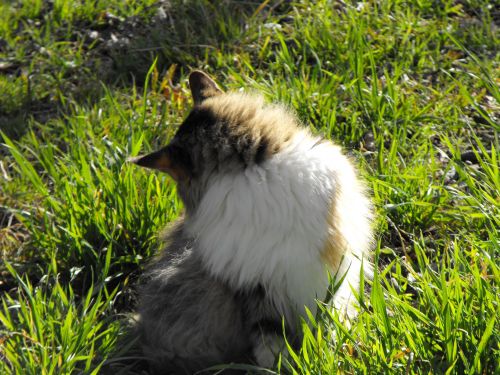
[{"x": 156, "y": 160}]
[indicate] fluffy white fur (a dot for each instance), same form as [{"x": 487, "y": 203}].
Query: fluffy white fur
[{"x": 269, "y": 225}]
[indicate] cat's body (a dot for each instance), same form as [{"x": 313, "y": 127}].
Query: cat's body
[{"x": 271, "y": 212}]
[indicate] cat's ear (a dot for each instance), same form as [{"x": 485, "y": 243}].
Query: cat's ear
[
  {"x": 202, "y": 86},
  {"x": 161, "y": 161}
]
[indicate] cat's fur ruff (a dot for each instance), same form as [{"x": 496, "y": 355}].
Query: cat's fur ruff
[{"x": 271, "y": 211}]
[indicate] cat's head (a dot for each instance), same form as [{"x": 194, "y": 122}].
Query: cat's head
[{"x": 223, "y": 133}]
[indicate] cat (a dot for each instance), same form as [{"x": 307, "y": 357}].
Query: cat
[{"x": 270, "y": 212}]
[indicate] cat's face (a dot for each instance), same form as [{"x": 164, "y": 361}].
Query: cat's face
[{"x": 223, "y": 133}]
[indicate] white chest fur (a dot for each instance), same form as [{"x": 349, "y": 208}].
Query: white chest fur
[{"x": 269, "y": 224}]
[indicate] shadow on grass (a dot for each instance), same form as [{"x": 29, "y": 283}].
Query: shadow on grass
[{"x": 82, "y": 56}]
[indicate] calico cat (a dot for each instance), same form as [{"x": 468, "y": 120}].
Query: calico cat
[{"x": 270, "y": 212}]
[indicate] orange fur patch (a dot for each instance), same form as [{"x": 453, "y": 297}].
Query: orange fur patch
[{"x": 335, "y": 245}]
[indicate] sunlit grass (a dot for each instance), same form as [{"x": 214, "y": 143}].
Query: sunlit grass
[{"x": 409, "y": 89}]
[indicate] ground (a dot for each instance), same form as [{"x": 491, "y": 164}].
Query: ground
[{"x": 410, "y": 89}]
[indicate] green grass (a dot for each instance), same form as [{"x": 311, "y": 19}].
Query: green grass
[{"x": 410, "y": 89}]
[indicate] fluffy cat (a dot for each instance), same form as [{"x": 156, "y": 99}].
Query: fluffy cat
[{"x": 271, "y": 211}]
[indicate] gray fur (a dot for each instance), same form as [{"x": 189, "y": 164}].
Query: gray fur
[{"x": 190, "y": 321}]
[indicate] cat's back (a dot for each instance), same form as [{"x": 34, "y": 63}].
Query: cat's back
[{"x": 188, "y": 320}]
